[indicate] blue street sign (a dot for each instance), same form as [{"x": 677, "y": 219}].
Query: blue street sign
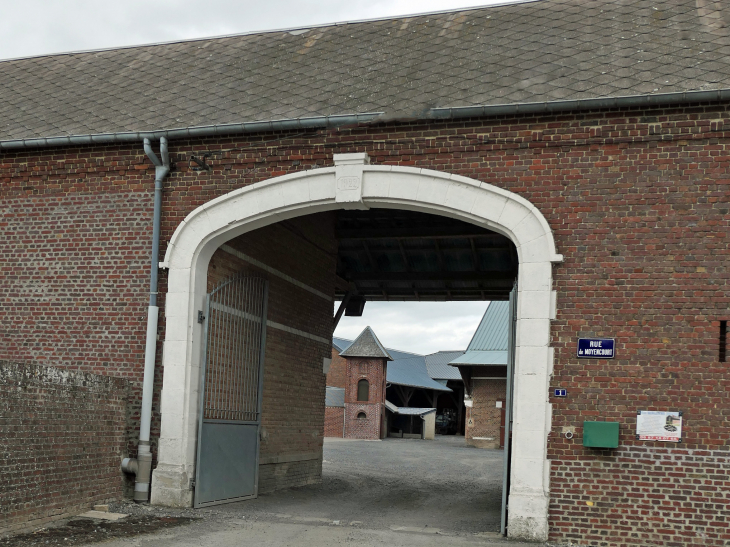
[
  {"x": 561, "y": 392},
  {"x": 596, "y": 348}
]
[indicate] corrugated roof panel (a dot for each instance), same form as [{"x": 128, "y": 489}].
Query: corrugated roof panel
[
  {"x": 397, "y": 354},
  {"x": 492, "y": 332},
  {"x": 341, "y": 344},
  {"x": 481, "y": 358},
  {"x": 412, "y": 372},
  {"x": 438, "y": 365},
  {"x": 412, "y": 411}
]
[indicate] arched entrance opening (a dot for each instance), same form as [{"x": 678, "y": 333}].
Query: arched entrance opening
[{"x": 354, "y": 184}]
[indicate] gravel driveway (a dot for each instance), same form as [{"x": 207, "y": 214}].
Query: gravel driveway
[
  {"x": 397, "y": 483},
  {"x": 398, "y": 492}
]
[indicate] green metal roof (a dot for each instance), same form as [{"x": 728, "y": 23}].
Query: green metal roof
[{"x": 488, "y": 346}]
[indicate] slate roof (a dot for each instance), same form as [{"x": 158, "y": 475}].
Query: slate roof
[
  {"x": 341, "y": 344},
  {"x": 334, "y": 396},
  {"x": 438, "y": 365},
  {"x": 489, "y": 344},
  {"x": 407, "y": 369},
  {"x": 412, "y": 372},
  {"x": 366, "y": 345},
  {"x": 529, "y": 52}
]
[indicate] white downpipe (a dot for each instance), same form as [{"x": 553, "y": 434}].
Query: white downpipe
[
  {"x": 149, "y": 374},
  {"x": 142, "y": 465}
]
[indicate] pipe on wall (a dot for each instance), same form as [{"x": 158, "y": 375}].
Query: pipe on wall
[{"x": 142, "y": 465}]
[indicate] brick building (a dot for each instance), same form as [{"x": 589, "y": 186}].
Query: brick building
[
  {"x": 366, "y": 360},
  {"x": 411, "y": 389},
  {"x": 579, "y": 148},
  {"x": 484, "y": 369}
]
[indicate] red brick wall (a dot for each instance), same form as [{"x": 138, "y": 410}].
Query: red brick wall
[
  {"x": 483, "y": 418},
  {"x": 334, "y": 421},
  {"x": 337, "y": 375},
  {"x": 374, "y": 371},
  {"x": 74, "y": 286},
  {"x": 637, "y": 200},
  {"x": 294, "y": 385},
  {"x": 63, "y": 435},
  {"x": 638, "y": 495},
  {"x": 363, "y": 428}
]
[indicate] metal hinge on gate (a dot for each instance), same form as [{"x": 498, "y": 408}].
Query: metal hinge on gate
[
  {"x": 201, "y": 317},
  {"x": 192, "y": 484}
]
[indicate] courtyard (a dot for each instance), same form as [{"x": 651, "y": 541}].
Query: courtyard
[
  {"x": 439, "y": 486},
  {"x": 396, "y": 492}
]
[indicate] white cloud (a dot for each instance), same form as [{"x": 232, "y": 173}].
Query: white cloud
[
  {"x": 35, "y": 27},
  {"x": 419, "y": 327}
]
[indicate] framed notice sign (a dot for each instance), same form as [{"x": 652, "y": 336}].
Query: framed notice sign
[{"x": 654, "y": 425}]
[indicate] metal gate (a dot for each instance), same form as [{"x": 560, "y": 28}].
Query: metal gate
[{"x": 231, "y": 387}]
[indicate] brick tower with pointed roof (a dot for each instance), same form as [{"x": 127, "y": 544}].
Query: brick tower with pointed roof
[{"x": 365, "y": 390}]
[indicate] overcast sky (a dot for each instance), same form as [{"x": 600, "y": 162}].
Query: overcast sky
[
  {"x": 419, "y": 327},
  {"x": 36, "y": 27}
]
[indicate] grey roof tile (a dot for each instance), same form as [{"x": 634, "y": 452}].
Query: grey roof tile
[
  {"x": 536, "y": 51},
  {"x": 366, "y": 345},
  {"x": 408, "y": 369}
]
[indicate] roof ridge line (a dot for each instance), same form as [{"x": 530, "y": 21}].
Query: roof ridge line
[{"x": 269, "y": 31}]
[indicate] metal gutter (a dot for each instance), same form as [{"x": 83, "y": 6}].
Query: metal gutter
[
  {"x": 314, "y": 122},
  {"x": 318, "y": 122},
  {"x": 631, "y": 101}
]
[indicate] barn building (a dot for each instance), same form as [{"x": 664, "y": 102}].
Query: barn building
[
  {"x": 414, "y": 388},
  {"x": 483, "y": 367},
  {"x": 177, "y": 221}
]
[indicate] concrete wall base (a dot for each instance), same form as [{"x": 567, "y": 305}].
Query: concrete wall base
[
  {"x": 520, "y": 522},
  {"x": 171, "y": 486}
]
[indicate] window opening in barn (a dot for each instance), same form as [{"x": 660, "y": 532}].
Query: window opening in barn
[
  {"x": 361, "y": 416},
  {"x": 363, "y": 390}
]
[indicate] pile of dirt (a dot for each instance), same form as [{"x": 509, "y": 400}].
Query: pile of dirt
[{"x": 79, "y": 531}]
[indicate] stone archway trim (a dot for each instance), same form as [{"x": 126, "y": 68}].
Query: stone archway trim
[{"x": 353, "y": 183}]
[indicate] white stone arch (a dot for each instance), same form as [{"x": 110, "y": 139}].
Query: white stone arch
[{"x": 353, "y": 183}]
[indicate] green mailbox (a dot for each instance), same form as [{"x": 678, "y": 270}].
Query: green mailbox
[{"x": 600, "y": 434}]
